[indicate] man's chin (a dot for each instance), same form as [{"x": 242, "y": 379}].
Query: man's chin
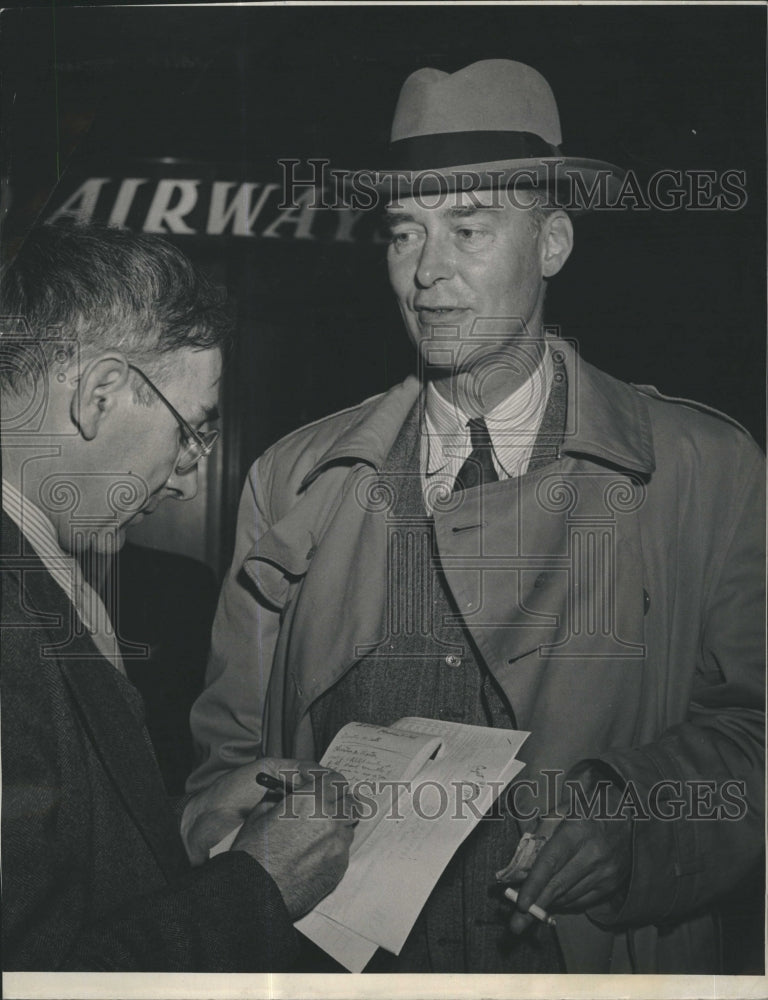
[
  {"x": 103, "y": 542},
  {"x": 110, "y": 542}
]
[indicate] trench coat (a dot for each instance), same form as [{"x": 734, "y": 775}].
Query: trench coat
[
  {"x": 615, "y": 594},
  {"x": 95, "y": 876}
]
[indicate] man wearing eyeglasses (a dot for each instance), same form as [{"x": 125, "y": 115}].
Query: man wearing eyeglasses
[{"x": 110, "y": 361}]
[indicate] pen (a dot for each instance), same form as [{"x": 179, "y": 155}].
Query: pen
[
  {"x": 535, "y": 911},
  {"x": 271, "y": 783}
]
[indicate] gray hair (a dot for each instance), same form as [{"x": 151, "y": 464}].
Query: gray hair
[{"x": 87, "y": 288}]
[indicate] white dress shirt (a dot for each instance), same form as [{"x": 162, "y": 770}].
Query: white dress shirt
[{"x": 513, "y": 426}]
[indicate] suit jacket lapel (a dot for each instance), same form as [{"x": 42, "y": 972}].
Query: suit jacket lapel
[
  {"x": 124, "y": 749},
  {"x": 108, "y": 705}
]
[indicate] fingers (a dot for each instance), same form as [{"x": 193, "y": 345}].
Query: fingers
[
  {"x": 236, "y": 790},
  {"x": 207, "y": 831},
  {"x": 564, "y": 883},
  {"x": 292, "y": 772},
  {"x": 332, "y": 792},
  {"x": 551, "y": 860},
  {"x": 304, "y": 842},
  {"x": 237, "y": 797},
  {"x": 544, "y": 880},
  {"x": 312, "y": 771},
  {"x": 576, "y": 869},
  {"x": 298, "y": 775}
]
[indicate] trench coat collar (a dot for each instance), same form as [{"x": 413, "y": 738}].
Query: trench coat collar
[
  {"x": 372, "y": 430},
  {"x": 607, "y": 420}
]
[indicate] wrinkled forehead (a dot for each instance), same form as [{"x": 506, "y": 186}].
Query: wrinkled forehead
[{"x": 456, "y": 203}]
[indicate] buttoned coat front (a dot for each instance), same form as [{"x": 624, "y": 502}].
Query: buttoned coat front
[{"x": 615, "y": 594}]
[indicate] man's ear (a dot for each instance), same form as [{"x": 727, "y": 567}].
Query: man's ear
[
  {"x": 556, "y": 242},
  {"x": 97, "y": 391}
]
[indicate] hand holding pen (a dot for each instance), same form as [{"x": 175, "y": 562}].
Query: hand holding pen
[{"x": 304, "y": 846}]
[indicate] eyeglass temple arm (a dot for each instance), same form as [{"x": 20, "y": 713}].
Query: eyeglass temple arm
[{"x": 187, "y": 428}]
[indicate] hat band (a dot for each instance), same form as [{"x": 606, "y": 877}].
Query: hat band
[{"x": 451, "y": 149}]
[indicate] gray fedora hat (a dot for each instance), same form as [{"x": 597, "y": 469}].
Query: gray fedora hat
[{"x": 493, "y": 123}]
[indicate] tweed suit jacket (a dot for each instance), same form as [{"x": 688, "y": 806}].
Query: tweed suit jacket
[{"x": 95, "y": 876}]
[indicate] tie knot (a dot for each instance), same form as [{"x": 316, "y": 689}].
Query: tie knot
[{"x": 478, "y": 433}]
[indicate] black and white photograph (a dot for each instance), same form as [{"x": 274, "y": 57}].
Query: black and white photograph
[{"x": 383, "y": 500}]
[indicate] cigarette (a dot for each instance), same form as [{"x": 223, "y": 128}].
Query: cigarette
[{"x": 535, "y": 911}]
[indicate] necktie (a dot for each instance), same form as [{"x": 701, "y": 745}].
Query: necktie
[{"x": 478, "y": 468}]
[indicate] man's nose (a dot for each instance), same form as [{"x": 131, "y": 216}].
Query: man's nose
[
  {"x": 183, "y": 486},
  {"x": 435, "y": 262}
]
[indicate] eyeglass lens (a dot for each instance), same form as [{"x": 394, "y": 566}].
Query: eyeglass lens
[{"x": 193, "y": 450}]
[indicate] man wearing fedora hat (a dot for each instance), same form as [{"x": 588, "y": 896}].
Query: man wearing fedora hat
[{"x": 514, "y": 539}]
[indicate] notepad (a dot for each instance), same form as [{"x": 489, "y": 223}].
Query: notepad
[{"x": 423, "y": 785}]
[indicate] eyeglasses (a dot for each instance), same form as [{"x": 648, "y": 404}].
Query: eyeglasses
[{"x": 195, "y": 444}]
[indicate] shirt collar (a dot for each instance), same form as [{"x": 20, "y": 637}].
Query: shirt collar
[
  {"x": 32, "y": 522},
  {"x": 606, "y": 419},
  {"x": 512, "y": 424}
]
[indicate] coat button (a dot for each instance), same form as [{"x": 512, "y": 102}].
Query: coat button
[
  {"x": 453, "y": 661},
  {"x": 646, "y": 601}
]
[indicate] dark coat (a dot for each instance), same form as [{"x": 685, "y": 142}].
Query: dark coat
[
  {"x": 95, "y": 876},
  {"x": 616, "y": 595}
]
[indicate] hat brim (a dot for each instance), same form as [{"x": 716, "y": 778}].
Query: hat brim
[{"x": 574, "y": 184}]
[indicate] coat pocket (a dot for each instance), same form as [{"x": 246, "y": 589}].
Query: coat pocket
[{"x": 276, "y": 563}]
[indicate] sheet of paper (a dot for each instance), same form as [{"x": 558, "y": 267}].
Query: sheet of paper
[
  {"x": 225, "y": 843},
  {"x": 511, "y": 739},
  {"x": 443, "y": 778},
  {"x": 370, "y": 757},
  {"x": 364, "y": 752},
  {"x": 342, "y": 943},
  {"x": 391, "y": 876}
]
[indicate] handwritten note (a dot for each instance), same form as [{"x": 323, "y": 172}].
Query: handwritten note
[
  {"x": 454, "y": 774},
  {"x": 373, "y": 759},
  {"x": 363, "y": 752}
]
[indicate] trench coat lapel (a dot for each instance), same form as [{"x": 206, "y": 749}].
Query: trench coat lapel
[
  {"x": 509, "y": 551},
  {"x": 543, "y": 569}
]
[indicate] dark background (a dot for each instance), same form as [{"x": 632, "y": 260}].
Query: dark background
[{"x": 676, "y": 299}]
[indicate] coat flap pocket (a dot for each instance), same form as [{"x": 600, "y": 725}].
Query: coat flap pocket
[
  {"x": 284, "y": 553},
  {"x": 278, "y": 559}
]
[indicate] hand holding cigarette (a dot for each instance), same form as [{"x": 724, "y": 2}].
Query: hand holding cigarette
[
  {"x": 568, "y": 865},
  {"x": 535, "y": 911}
]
